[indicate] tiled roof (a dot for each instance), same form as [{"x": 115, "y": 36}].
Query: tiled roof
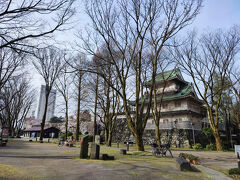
[
  {"x": 37, "y": 128},
  {"x": 184, "y": 92},
  {"x": 167, "y": 75}
]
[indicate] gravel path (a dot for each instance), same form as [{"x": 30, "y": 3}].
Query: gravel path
[{"x": 48, "y": 161}]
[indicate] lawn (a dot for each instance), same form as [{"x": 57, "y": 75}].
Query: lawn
[
  {"x": 140, "y": 164},
  {"x": 7, "y": 171}
]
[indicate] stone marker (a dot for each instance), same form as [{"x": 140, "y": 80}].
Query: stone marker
[
  {"x": 110, "y": 158},
  {"x": 95, "y": 149},
  {"x": 106, "y": 157},
  {"x": 97, "y": 139},
  {"x": 84, "y": 147},
  {"x": 183, "y": 164},
  {"x": 123, "y": 151}
]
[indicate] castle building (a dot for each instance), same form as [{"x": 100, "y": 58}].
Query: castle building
[{"x": 182, "y": 112}]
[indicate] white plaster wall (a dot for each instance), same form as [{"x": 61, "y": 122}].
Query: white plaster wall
[{"x": 171, "y": 106}]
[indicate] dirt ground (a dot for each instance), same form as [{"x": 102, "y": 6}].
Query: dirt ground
[{"x": 26, "y": 160}]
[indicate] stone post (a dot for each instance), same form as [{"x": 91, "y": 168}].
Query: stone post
[
  {"x": 84, "y": 147},
  {"x": 95, "y": 149},
  {"x": 97, "y": 139}
]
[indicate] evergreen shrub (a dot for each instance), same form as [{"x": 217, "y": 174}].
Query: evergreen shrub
[{"x": 197, "y": 146}]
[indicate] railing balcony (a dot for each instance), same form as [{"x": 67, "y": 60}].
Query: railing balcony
[{"x": 177, "y": 125}]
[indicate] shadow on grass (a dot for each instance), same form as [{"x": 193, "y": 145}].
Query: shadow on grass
[
  {"x": 38, "y": 157},
  {"x": 194, "y": 169}
]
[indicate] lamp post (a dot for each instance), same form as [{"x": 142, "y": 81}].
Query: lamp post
[{"x": 193, "y": 132}]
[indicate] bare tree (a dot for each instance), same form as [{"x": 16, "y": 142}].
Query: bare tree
[
  {"x": 127, "y": 28},
  {"x": 49, "y": 64},
  {"x": 207, "y": 60},
  {"x": 63, "y": 85},
  {"x": 96, "y": 89},
  {"x": 17, "y": 98},
  {"x": 10, "y": 62},
  {"x": 78, "y": 64},
  {"x": 23, "y": 21},
  {"x": 108, "y": 99}
]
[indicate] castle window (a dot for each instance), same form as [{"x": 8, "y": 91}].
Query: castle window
[
  {"x": 165, "y": 105},
  {"x": 165, "y": 121},
  {"x": 180, "y": 120},
  {"x": 177, "y": 103}
]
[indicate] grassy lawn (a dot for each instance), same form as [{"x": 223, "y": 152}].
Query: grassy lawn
[
  {"x": 7, "y": 171},
  {"x": 131, "y": 157},
  {"x": 137, "y": 163}
]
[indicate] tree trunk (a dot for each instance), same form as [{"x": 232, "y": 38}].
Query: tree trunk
[
  {"x": 157, "y": 135},
  {"x": 139, "y": 142},
  {"x": 238, "y": 133},
  {"x": 106, "y": 136},
  {"x": 44, "y": 114},
  {"x": 214, "y": 127},
  {"x": 17, "y": 132},
  {"x": 78, "y": 106},
  {"x": 12, "y": 132},
  {"x": 109, "y": 142},
  {"x": 228, "y": 134},
  {"x": 66, "y": 120},
  {"x": 217, "y": 139},
  {"x": 95, "y": 109}
]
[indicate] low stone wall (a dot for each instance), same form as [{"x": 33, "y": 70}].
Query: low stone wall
[{"x": 177, "y": 137}]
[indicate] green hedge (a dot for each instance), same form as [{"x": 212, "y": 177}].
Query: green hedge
[
  {"x": 233, "y": 171},
  {"x": 189, "y": 156},
  {"x": 211, "y": 147},
  {"x": 197, "y": 146}
]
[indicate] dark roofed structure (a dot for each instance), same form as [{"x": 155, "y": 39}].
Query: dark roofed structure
[{"x": 49, "y": 132}]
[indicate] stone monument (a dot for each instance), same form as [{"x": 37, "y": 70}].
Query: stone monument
[
  {"x": 84, "y": 147},
  {"x": 95, "y": 149},
  {"x": 97, "y": 139}
]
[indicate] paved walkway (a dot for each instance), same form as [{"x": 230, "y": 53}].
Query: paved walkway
[
  {"x": 48, "y": 161},
  {"x": 222, "y": 161},
  {"x": 215, "y": 175}
]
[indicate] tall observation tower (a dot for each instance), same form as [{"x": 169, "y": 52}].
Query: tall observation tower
[{"x": 41, "y": 104}]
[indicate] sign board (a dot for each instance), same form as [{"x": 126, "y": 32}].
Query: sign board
[
  {"x": 4, "y": 133},
  {"x": 237, "y": 149}
]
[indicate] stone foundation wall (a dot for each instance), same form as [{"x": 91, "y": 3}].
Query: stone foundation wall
[{"x": 178, "y": 137}]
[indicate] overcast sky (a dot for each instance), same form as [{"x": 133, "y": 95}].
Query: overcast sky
[
  {"x": 218, "y": 14},
  {"x": 214, "y": 14}
]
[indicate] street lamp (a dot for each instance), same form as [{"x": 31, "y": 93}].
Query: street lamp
[{"x": 193, "y": 132}]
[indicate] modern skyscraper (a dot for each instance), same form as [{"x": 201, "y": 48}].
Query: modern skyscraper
[{"x": 41, "y": 104}]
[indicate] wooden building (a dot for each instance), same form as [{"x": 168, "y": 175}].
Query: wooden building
[{"x": 49, "y": 132}]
